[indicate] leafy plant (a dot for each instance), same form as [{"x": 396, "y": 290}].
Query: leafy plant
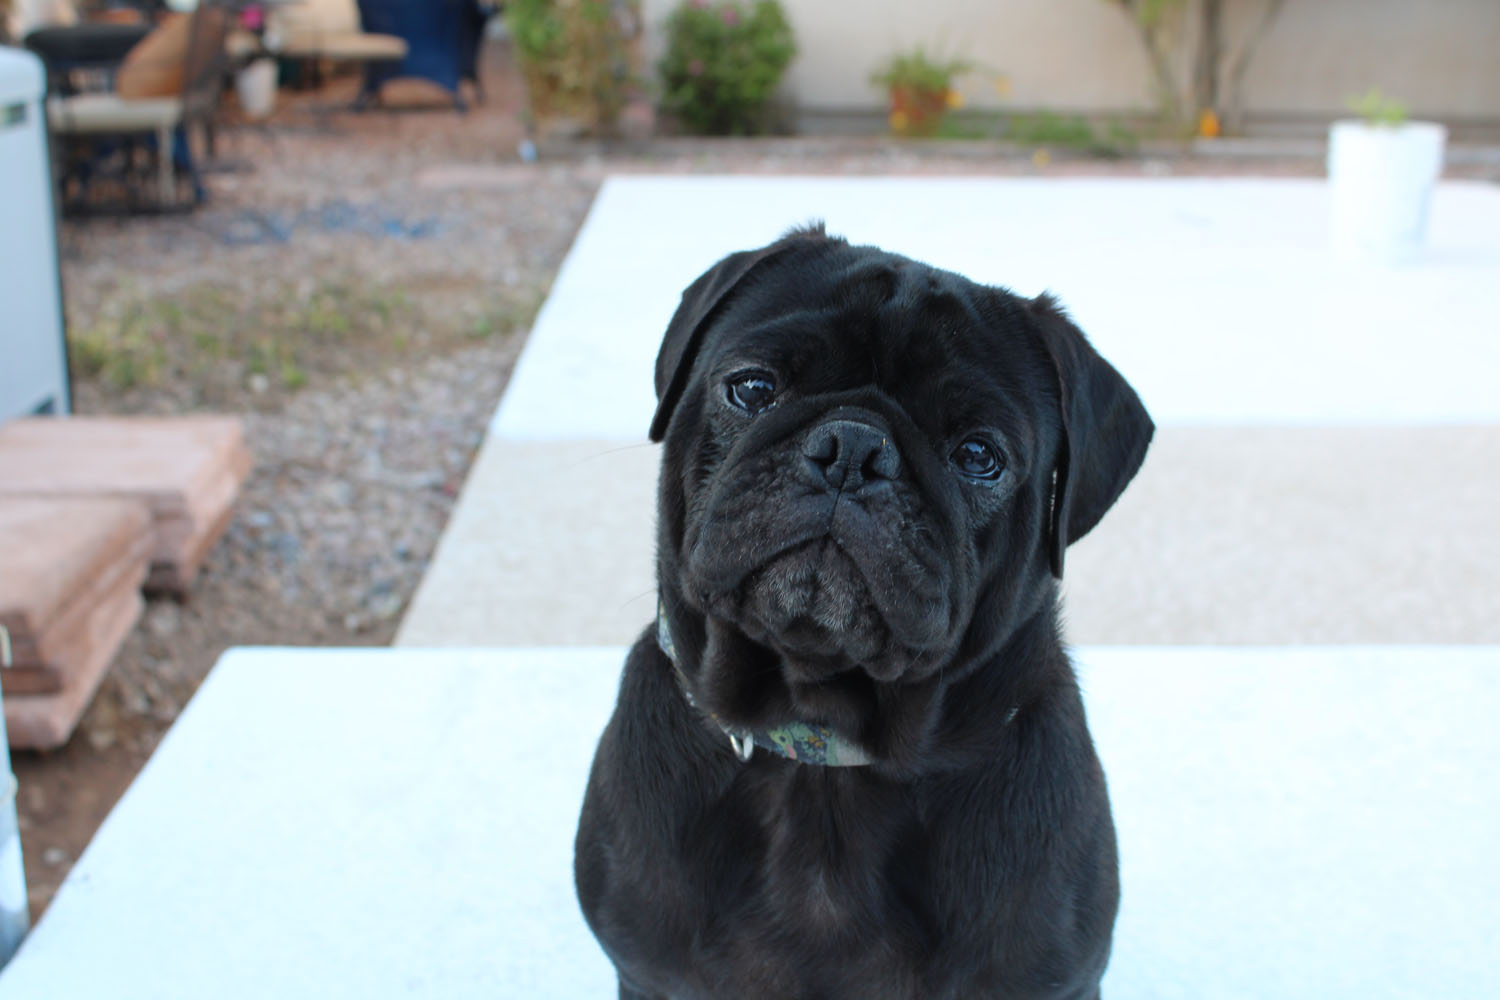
[
  {"x": 1378, "y": 109},
  {"x": 921, "y": 90},
  {"x": 1046, "y": 128},
  {"x": 915, "y": 70},
  {"x": 575, "y": 56},
  {"x": 723, "y": 63}
]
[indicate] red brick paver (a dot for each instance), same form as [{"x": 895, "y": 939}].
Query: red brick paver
[
  {"x": 187, "y": 470},
  {"x": 69, "y": 593}
]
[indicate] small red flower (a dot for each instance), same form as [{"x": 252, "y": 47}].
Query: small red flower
[
  {"x": 695, "y": 68},
  {"x": 731, "y": 16}
]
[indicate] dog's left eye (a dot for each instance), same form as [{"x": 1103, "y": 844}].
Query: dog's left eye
[
  {"x": 752, "y": 391},
  {"x": 977, "y": 459}
]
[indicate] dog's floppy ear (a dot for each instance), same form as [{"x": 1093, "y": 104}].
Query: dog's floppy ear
[
  {"x": 1105, "y": 430},
  {"x": 679, "y": 346}
]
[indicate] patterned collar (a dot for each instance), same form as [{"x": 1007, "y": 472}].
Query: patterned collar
[{"x": 804, "y": 742}]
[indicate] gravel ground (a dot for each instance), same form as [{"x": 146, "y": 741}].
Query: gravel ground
[
  {"x": 359, "y": 295},
  {"x": 363, "y": 321}
]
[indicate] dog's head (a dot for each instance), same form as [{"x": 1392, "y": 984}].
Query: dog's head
[{"x": 872, "y": 470}]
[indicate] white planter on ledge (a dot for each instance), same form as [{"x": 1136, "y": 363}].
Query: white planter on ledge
[{"x": 1381, "y": 178}]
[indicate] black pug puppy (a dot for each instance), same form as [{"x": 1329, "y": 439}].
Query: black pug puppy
[{"x": 850, "y": 760}]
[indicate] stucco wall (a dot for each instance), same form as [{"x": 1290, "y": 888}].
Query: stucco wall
[{"x": 1441, "y": 56}]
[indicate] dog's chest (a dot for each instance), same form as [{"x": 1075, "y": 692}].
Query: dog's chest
[
  {"x": 825, "y": 868},
  {"x": 828, "y": 836}
]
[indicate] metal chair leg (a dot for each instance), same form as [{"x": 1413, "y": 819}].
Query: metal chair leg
[{"x": 164, "y": 171}]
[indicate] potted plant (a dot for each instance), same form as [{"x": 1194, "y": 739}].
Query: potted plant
[
  {"x": 920, "y": 90},
  {"x": 1381, "y": 172}
]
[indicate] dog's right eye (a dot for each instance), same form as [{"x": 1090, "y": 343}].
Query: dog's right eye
[
  {"x": 751, "y": 391},
  {"x": 978, "y": 460}
]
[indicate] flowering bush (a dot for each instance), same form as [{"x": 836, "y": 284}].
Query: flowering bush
[
  {"x": 921, "y": 90},
  {"x": 723, "y": 63}
]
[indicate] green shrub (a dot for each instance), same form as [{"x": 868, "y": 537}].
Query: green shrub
[
  {"x": 575, "y": 56},
  {"x": 723, "y": 64}
]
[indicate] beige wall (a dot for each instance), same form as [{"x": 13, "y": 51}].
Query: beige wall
[{"x": 1441, "y": 56}]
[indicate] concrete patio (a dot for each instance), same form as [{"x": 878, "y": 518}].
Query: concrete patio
[
  {"x": 1309, "y": 815},
  {"x": 1298, "y": 824},
  {"x": 1306, "y": 409}
]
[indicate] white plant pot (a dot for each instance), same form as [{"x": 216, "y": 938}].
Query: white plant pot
[
  {"x": 256, "y": 87},
  {"x": 1381, "y": 178}
]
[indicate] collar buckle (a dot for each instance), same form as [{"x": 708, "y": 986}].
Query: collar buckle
[{"x": 743, "y": 745}]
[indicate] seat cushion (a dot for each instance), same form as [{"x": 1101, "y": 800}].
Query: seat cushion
[
  {"x": 315, "y": 17},
  {"x": 354, "y": 46},
  {"x": 112, "y": 113}
]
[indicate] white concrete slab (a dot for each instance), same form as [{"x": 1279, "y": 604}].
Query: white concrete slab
[
  {"x": 1262, "y": 535},
  {"x": 1294, "y": 823},
  {"x": 552, "y": 543},
  {"x": 1218, "y": 298},
  {"x": 326, "y": 824},
  {"x": 1313, "y": 824}
]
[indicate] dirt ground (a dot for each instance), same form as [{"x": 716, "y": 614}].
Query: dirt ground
[{"x": 357, "y": 288}]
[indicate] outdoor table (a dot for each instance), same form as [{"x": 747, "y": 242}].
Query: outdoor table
[{"x": 1314, "y": 822}]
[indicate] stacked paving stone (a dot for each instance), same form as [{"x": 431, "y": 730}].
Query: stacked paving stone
[
  {"x": 69, "y": 595},
  {"x": 92, "y": 510}
]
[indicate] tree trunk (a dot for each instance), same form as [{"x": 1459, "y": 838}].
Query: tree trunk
[
  {"x": 1154, "y": 37},
  {"x": 1234, "y": 111},
  {"x": 1210, "y": 54}
]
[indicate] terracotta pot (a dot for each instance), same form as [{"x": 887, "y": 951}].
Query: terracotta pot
[{"x": 916, "y": 112}]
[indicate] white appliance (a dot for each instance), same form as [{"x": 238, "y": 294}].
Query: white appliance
[
  {"x": 33, "y": 354},
  {"x": 33, "y": 363}
]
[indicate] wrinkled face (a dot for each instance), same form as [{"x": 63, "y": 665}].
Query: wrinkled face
[{"x": 865, "y": 469}]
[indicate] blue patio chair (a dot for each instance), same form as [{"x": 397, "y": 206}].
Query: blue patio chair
[{"x": 442, "y": 37}]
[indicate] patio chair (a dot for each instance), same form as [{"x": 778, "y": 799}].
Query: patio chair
[
  {"x": 83, "y": 56},
  {"x": 135, "y": 135},
  {"x": 443, "y": 39},
  {"x": 319, "y": 31}
]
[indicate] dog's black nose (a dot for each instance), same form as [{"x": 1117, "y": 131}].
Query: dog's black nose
[{"x": 849, "y": 455}]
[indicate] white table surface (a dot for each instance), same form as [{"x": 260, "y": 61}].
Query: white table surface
[
  {"x": 1314, "y": 823},
  {"x": 1217, "y": 298}
]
